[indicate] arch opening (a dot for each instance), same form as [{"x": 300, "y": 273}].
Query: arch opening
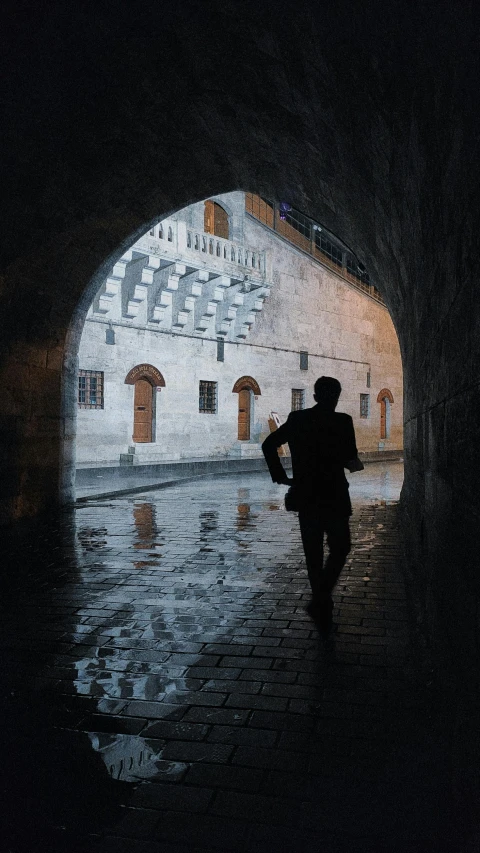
[{"x": 187, "y": 311}]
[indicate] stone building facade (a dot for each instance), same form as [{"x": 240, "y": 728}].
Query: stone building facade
[{"x": 215, "y": 325}]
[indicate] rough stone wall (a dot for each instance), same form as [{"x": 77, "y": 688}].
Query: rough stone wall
[
  {"x": 366, "y": 119},
  {"x": 345, "y": 332}
]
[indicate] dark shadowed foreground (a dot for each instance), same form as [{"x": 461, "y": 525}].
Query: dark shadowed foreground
[{"x": 166, "y": 693}]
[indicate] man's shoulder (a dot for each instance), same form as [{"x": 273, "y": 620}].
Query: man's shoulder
[
  {"x": 299, "y": 417},
  {"x": 342, "y": 416}
]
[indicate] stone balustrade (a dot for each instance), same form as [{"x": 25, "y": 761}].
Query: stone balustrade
[{"x": 173, "y": 238}]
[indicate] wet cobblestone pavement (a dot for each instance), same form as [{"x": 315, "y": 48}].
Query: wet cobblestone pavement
[{"x": 165, "y": 692}]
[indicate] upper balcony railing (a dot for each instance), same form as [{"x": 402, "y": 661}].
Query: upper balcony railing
[
  {"x": 174, "y": 239},
  {"x": 308, "y": 236}
]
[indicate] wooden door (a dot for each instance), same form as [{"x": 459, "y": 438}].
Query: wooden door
[
  {"x": 220, "y": 228},
  {"x": 383, "y": 418},
  {"x": 143, "y": 411},
  {"x": 215, "y": 220},
  {"x": 209, "y": 217},
  {"x": 244, "y": 415}
]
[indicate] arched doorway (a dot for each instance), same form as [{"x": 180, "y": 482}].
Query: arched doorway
[
  {"x": 385, "y": 398},
  {"x": 216, "y": 220},
  {"x": 247, "y": 388},
  {"x": 145, "y": 378}
]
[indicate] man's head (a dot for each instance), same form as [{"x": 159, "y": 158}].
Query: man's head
[{"x": 327, "y": 391}]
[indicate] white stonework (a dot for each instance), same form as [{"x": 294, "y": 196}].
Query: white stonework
[{"x": 178, "y": 291}]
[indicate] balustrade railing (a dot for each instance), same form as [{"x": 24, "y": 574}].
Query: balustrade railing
[
  {"x": 210, "y": 246},
  {"x": 171, "y": 237}
]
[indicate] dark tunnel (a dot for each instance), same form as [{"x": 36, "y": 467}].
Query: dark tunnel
[{"x": 364, "y": 118}]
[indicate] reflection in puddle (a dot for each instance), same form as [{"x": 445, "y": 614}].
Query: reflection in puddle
[{"x": 130, "y": 759}]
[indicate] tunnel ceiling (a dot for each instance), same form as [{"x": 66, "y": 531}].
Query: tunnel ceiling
[{"x": 120, "y": 115}]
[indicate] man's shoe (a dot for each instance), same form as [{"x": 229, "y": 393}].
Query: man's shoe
[
  {"x": 320, "y": 607},
  {"x": 320, "y": 610}
]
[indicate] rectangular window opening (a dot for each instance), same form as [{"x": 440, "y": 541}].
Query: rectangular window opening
[
  {"x": 220, "y": 349},
  {"x": 364, "y": 405},
  {"x": 207, "y": 397},
  {"x": 90, "y": 389},
  {"x": 303, "y": 360},
  {"x": 298, "y": 399}
]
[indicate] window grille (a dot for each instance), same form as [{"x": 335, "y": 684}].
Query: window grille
[
  {"x": 298, "y": 399},
  {"x": 207, "y": 398},
  {"x": 303, "y": 360},
  {"x": 90, "y": 389},
  {"x": 364, "y": 405},
  {"x": 329, "y": 249},
  {"x": 220, "y": 349}
]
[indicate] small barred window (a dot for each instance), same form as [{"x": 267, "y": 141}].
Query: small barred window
[
  {"x": 303, "y": 360},
  {"x": 90, "y": 389},
  {"x": 364, "y": 405},
  {"x": 298, "y": 399},
  {"x": 207, "y": 398}
]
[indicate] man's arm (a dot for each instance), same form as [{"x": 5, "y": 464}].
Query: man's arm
[{"x": 269, "y": 447}]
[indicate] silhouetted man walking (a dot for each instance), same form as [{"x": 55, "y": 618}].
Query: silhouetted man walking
[{"x": 322, "y": 443}]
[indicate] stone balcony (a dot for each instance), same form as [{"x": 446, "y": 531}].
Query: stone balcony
[
  {"x": 173, "y": 239},
  {"x": 182, "y": 280}
]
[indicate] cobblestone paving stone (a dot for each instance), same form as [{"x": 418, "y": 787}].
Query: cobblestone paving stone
[{"x": 165, "y": 692}]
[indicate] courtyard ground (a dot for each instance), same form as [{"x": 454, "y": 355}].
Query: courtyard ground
[{"x": 165, "y": 692}]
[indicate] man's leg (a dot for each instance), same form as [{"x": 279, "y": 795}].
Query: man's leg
[
  {"x": 312, "y": 531},
  {"x": 339, "y": 544}
]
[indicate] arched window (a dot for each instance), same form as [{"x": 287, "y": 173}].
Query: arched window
[
  {"x": 170, "y": 235},
  {"x": 385, "y": 398},
  {"x": 216, "y": 220}
]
